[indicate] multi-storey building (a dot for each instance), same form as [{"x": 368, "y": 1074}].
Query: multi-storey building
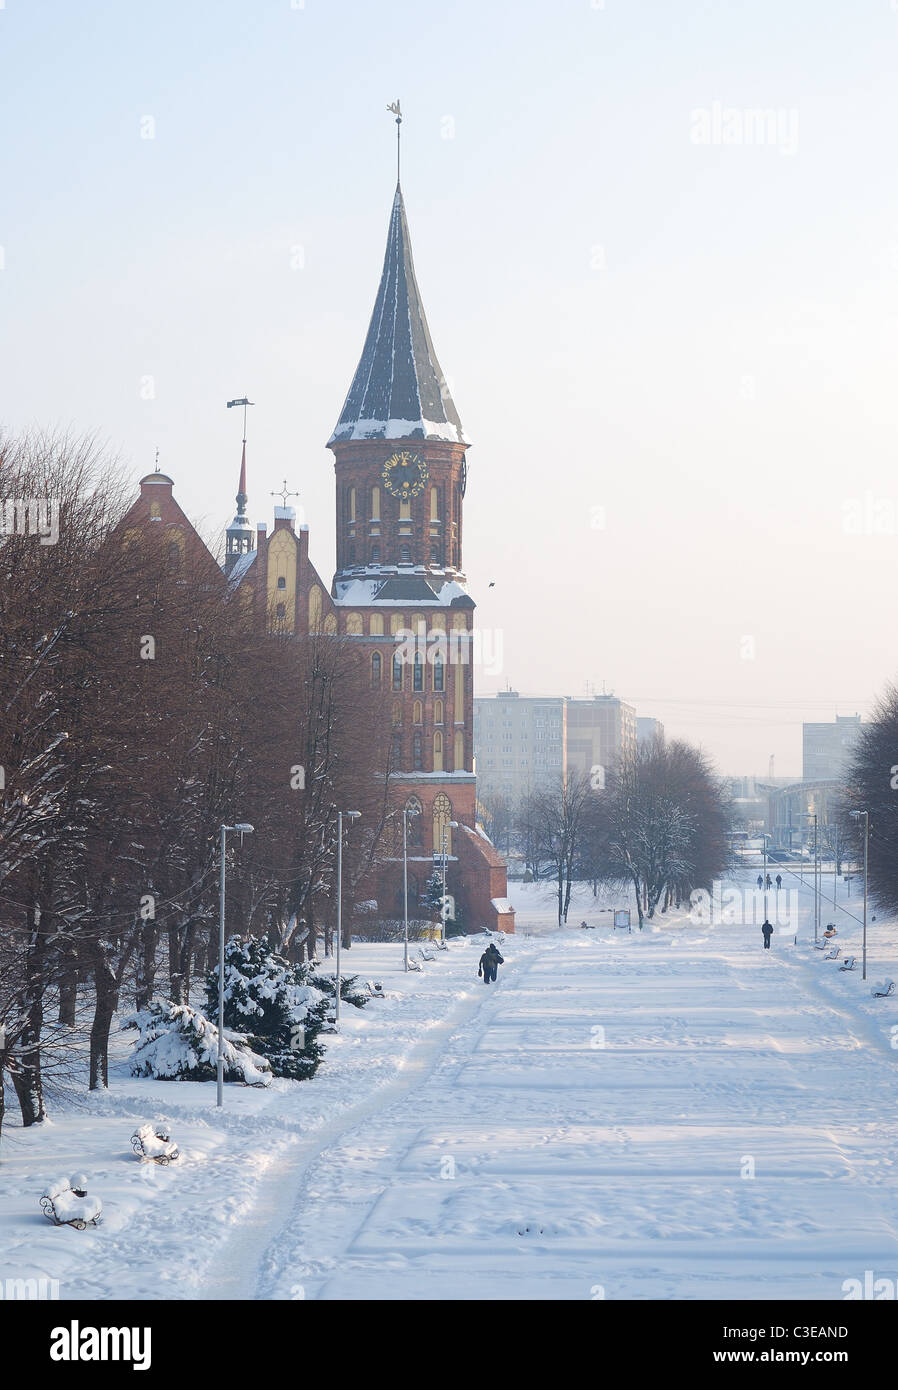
[
  {"x": 527, "y": 743},
  {"x": 826, "y": 748}
]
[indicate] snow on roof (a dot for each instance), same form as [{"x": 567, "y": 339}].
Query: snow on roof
[
  {"x": 240, "y": 567},
  {"x": 399, "y": 390},
  {"x": 380, "y": 588},
  {"x": 502, "y": 904}
]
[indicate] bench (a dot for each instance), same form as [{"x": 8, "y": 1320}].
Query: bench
[
  {"x": 848, "y": 963},
  {"x": 426, "y": 955},
  {"x": 833, "y": 954},
  {"x": 882, "y": 989},
  {"x": 154, "y": 1143},
  {"x": 375, "y": 989},
  {"x": 66, "y": 1203}
]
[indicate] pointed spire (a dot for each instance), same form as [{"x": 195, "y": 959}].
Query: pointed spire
[
  {"x": 399, "y": 390},
  {"x": 241, "y": 486},
  {"x": 239, "y": 535}
]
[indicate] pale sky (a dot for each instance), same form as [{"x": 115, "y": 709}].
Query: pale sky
[{"x": 694, "y": 343}]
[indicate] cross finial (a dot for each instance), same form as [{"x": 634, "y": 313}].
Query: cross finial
[{"x": 285, "y": 493}]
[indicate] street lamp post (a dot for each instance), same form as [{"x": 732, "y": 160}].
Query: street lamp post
[
  {"x": 406, "y": 812},
  {"x": 350, "y": 815},
  {"x": 447, "y": 826},
  {"x": 856, "y": 816},
  {"x": 243, "y": 830},
  {"x": 809, "y": 815}
]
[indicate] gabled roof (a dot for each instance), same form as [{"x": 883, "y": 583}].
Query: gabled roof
[{"x": 398, "y": 391}]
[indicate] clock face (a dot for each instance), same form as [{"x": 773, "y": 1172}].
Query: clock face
[{"x": 405, "y": 474}]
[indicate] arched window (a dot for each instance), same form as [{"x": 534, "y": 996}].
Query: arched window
[
  {"x": 459, "y": 755},
  {"x": 438, "y": 673},
  {"x": 376, "y": 665},
  {"x": 375, "y": 504},
  {"x": 405, "y": 555},
  {"x": 330, "y": 625},
  {"x": 376, "y": 625},
  {"x": 437, "y": 711},
  {"x": 397, "y": 711},
  {"x": 442, "y": 815},
  {"x": 418, "y": 672},
  {"x": 417, "y": 714},
  {"x": 314, "y": 609},
  {"x": 415, "y": 822},
  {"x": 397, "y": 672},
  {"x": 397, "y": 623},
  {"x": 434, "y": 504},
  {"x": 437, "y": 751},
  {"x": 354, "y": 624},
  {"x": 417, "y": 752}
]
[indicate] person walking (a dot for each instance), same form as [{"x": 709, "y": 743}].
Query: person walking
[
  {"x": 767, "y": 931},
  {"x": 769, "y": 881},
  {"x": 779, "y": 882},
  {"x": 489, "y": 964},
  {"x": 760, "y": 880}
]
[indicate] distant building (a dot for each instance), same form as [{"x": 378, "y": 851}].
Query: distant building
[
  {"x": 648, "y": 729},
  {"x": 525, "y": 743},
  {"x": 600, "y": 731},
  {"x": 826, "y": 749},
  {"x": 519, "y": 744}
]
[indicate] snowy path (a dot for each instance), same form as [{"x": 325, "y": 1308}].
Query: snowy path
[
  {"x": 677, "y": 1115},
  {"x": 671, "y": 1114}
]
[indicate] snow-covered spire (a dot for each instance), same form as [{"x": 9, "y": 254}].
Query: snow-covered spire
[
  {"x": 399, "y": 390},
  {"x": 239, "y": 535}
]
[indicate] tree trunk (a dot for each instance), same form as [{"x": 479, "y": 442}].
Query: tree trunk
[
  {"x": 146, "y": 966},
  {"x": 107, "y": 1003},
  {"x": 27, "y": 1077},
  {"x": 68, "y": 987}
]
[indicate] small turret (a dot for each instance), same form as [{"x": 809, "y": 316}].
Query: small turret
[{"x": 240, "y": 536}]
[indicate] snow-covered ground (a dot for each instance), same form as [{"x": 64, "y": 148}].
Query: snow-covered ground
[{"x": 671, "y": 1114}]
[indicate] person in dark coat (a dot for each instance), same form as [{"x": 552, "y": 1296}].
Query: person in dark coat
[
  {"x": 767, "y": 929},
  {"x": 760, "y": 880},
  {"x": 489, "y": 964},
  {"x": 779, "y": 881}
]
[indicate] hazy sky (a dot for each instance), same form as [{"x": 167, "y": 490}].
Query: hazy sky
[{"x": 670, "y": 333}]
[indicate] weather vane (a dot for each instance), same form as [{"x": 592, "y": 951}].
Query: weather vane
[
  {"x": 244, "y": 402},
  {"x": 397, "y": 112},
  {"x": 285, "y": 493}
]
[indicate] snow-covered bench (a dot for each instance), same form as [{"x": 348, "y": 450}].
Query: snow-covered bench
[
  {"x": 375, "y": 989},
  {"x": 883, "y": 988},
  {"x": 154, "y": 1142},
  {"x": 441, "y": 945},
  {"x": 833, "y": 954},
  {"x": 426, "y": 954},
  {"x": 66, "y": 1203},
  {"x": 413, "y": 964},
  {"x": 848, "y": 963}
]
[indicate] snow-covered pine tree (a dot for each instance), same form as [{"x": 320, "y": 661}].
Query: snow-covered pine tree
[
  {"x": 349, "y": 993},
  {"x": 177, "y": 1043},
  {"x": 274, "y": 1003}
]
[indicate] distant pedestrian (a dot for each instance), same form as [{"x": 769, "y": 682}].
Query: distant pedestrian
[
  {"x": 769, "y": 881},
  {"x": 760, "y": 880},
  {"x": 767, "y": 930},
  {"x": 779, "y": 882},
  {"x": 489, "y": 964}
]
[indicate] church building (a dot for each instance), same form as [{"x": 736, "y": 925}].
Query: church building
[{"x": 399, "y": 590}]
